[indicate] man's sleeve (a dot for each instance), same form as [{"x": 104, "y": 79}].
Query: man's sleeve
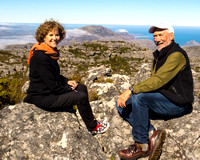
[{"x": 173, "y": 65}]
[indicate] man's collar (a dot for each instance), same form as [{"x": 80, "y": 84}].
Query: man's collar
[{"x": 163, "y": 51}]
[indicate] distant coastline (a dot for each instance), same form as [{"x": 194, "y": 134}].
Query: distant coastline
[{"x": 22, "y": 33}]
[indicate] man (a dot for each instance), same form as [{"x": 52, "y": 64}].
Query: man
[{"x": 167, "y": 94}]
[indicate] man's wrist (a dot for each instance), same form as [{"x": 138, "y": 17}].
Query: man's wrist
[{"x": 131, "y": 89}]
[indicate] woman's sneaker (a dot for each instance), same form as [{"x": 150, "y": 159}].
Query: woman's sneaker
[{"x": 101, "y": 127}]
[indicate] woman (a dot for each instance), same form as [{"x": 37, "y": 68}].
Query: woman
[{"x": 50, "y": 90}]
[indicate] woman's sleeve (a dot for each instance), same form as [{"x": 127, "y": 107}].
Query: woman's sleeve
[{"x": 46, "y": 72}]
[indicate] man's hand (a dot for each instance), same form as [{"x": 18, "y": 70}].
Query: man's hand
[
  {"x": 123, "y": 98},
  {"x": 73, "y": 84}
]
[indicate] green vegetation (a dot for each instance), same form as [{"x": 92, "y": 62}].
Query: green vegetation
[
  {"x": 93, "y": 95},
  {"x": 10, "y": 85},
  {"x": 5, "y": 56},
  {"x": 109, "y": 81},
  {"x": 62, "y": 63},
  {"x": 77, "y": 52},
  {"x": 124, "y": 49},
  {"x": 10, "y": 91},
  {"x": 102, "y": 79},
  {"x": 197, "y": 68},
  {"x": 76, "y": 76},
  {"x": 96, "y": 47},
  {"x": 119, "y": 65},
  {"x": 111, "y": 158}
]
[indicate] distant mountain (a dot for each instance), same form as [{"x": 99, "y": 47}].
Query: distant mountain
[
  {"x": 191, "y": 43},
  {"x": 96, "y": 32},
  {"x": 99, "y": 31}
]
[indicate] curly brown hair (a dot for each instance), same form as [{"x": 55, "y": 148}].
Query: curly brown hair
[{"x": 48, "y": 26}]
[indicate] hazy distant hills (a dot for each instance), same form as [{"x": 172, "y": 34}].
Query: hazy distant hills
[
  {"x": 17, "y": 30},
  {"x": 100, "y": 33},
  {"x": 87, "y": 33},
  {"x": 97, "y": 32}
]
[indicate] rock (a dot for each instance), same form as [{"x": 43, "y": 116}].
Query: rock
[
  {"x": 28, "y": 132},
  {"x": 143, "y": 73},
  {"x": 96, "y": 73},
  {"x": 25, "y": 87}
]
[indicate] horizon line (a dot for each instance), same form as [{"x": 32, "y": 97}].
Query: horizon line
[{"x": 96, "y": 24}]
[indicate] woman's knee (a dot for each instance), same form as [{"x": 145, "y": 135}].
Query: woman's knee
[
  {"x": 82, "y": 87},
  {"x": 82, "y": 96}
]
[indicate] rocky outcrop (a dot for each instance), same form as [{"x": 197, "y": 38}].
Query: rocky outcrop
[
  {"x": 193, "y": 51},
  {"x": 19, "y": 46},
  {"x": 107, "y": 68},
  {"x": 28, "y": 132}
]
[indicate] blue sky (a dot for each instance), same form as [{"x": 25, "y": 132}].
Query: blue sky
[{"x": 126, "y": 12}]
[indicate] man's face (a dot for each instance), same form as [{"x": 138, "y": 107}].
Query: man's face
[{"x": 162, "y": 38}]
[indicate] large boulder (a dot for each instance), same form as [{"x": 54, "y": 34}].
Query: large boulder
[{"x": 28, "y": 132}]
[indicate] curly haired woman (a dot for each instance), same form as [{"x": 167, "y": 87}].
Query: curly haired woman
[{"x": 50, "y": 90}]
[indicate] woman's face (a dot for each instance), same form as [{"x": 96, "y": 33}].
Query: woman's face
[{"x": 52, "y": 38}]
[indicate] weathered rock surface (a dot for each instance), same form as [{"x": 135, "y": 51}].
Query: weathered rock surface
[{"x": 27, "y": 132}]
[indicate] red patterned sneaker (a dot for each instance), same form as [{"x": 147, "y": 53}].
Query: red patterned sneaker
[{"x": 101, "y": 127}]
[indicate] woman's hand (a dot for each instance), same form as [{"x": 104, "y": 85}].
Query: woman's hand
[
  {"x": 73, "y": 84},
  {"x": 123, "y": 98}
]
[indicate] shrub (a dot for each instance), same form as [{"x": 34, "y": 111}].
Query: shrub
[
  {"x": 109, "y": 80},
  {"x": 5, "y": 55},
  {"x": 102, "y": 79},
  {"x": 95, "y": 47},
  {"x": 10, "y": 91},
  {"x": 118, "y": 65},
  {"x": 124, "y": 49},
  {"x": 77, "y": 52},
  {"x": 93, "y": 95},
  {"x": 76, "y": 76}
]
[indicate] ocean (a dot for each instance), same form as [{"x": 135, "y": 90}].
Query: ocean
[{"x": 22, "y": 33}]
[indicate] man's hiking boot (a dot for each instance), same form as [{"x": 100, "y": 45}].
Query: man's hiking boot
[
  {"x": 133, "y": 152},
  {"x": 156, "y": 142}
]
